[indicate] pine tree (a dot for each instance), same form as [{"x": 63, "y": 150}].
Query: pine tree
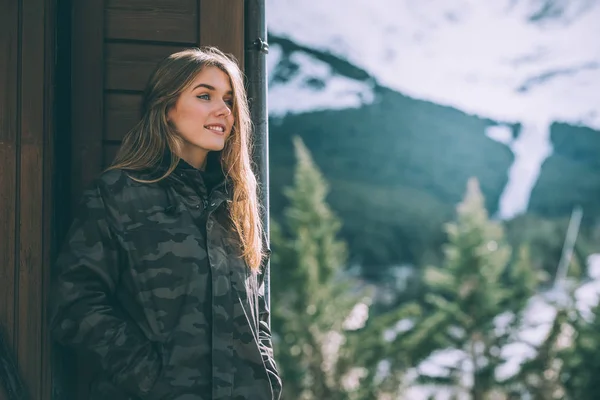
[
  {"x": 479, "y": 281},
  {"x": 581, "y": 361},
  {"x": 312, "y": 298},
  {"x": 540, "y": 377}
]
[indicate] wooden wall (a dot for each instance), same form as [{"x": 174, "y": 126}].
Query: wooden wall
[
  {"x": 112, "y": 46},
  {"x": 26, "y": 91}
]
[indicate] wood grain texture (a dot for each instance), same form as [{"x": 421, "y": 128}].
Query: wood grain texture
[
  {"x": 47, "y": 175},
  {"x": 31, "y": 166},
  {"x": 122, "y": 113},
  {"x": 222, "y": 25},
  {"x": 129, "y": 65},
  {"x": 9, "y": 46},
  {"x": 155, "y": 20},
  {"x": 26, "y": 82}
]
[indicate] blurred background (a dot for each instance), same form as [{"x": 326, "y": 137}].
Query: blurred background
[{"x": 435, "y": 198}]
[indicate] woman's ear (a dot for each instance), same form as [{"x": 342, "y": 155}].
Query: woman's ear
[{"x": 170, "y": 109}]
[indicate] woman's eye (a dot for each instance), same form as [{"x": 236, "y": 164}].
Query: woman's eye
[
  {"x": 229, "y": 102},
  {"x": 203, "y": 96}
]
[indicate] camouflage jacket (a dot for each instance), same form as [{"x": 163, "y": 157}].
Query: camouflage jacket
[{"x": 151, "y": 282}]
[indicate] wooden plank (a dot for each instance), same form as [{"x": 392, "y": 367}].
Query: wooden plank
[
  {"x": 128, "y": 66},
  {"x": 156, "y": 20},
  {"x": 30, "y": 283},
  {"x": 213, "y": 13},
  {"x": 29, "y": 297},
  {"x": 9, "y": 46},
  {"x": 48, "y": 228},
  {"x": 87, "y": 93},
  {"x": 122, "y": 113}
]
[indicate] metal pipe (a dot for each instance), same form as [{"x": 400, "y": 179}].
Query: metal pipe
[
  {"x": 567, "y": 250},
  {"x": 255, "y": 56}
]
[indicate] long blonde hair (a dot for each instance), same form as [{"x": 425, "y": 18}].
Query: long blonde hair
[{"x": 144, "y": 146}]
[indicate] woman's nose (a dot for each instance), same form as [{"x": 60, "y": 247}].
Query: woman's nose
[{"x": 224, "y": 110}]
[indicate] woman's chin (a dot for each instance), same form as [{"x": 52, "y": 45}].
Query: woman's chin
[{"x": 216, "y": 144}]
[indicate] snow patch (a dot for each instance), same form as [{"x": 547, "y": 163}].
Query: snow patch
[{"x": 311, "y": 86}]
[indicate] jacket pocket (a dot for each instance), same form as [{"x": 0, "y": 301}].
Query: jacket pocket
[{"x": 142, "y": 378}]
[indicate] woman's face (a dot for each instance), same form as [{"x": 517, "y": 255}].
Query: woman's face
[{"x": 203, "y": 115}]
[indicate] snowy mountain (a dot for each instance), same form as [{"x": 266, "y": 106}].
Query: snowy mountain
[
  {"x": 524, "y": 63},
  {"x": 402, "y": 100}
]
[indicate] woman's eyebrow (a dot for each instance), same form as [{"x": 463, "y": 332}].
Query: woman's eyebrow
[{"x": 209, "y": 87}]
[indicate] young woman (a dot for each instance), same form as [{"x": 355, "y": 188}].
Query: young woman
[{"x": 160, "y": 277}]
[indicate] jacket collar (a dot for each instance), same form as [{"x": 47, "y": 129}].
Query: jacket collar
[{"x": 212, "y": 178}]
